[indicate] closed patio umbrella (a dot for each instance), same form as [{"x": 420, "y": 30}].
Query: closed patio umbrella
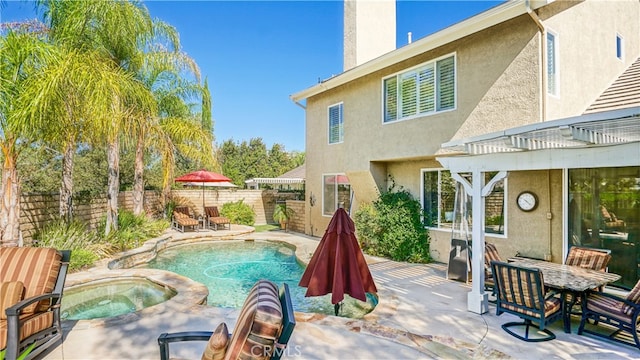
[
  {"x": 201, "y": 177},
  {"x": 338, "y": 265}
]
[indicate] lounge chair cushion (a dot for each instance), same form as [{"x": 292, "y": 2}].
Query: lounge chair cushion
[
  {"x": 217, "y": 345},
  {"x": 259, "y": 323},
  {"x": 11, "y": 292},
  {"x": 34, "y": 324},
  {"x": 184, "y": 219},
  {"x": 36, "y": 268},
  {"x": 633, "y": 296}
]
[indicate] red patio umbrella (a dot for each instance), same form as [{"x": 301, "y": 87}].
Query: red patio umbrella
[
  {"x": 338, "y": 265},
  {"x": 201, "y": 177}
]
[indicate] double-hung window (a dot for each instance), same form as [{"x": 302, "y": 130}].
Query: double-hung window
[
  {"x": 336, "y": 192},
  {"x": 426, "y": 89},
  {"x": 438, "y": 202},
  {"x": 552, "y": 64},
  {"x": 336, "y": 124}
]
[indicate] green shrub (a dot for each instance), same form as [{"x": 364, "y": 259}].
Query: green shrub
[
  {"x": 238, "y": 213},
  {"x": 392, "y": 227},
  {"x": 89, "y": 246},
  {"x": 85, "y": 245}
]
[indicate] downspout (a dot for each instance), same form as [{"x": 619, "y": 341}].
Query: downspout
[{"x": 543, "y": 61}]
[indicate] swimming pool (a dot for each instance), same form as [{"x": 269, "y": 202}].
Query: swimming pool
[{"x": 230, "y": 268}]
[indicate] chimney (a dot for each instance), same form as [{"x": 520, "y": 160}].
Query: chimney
[{"x": 369, "y": 30}]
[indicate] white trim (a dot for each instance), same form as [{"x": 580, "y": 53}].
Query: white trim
[
  {"x": 556, "y": 63},
  {"x": 482, "y": 21},
  {"x": 622, "y": 49},
  {"x": 335, "y": 193},
  {"x": 341, "y": 108},
  {"x": 505, "y": 204},
  {"x": 435, "y": 111}
]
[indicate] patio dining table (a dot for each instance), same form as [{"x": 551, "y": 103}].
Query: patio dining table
[{"x": 568, "y": 279}]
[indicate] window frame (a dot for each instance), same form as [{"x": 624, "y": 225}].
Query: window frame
[
  {"x": 340, "y": 139},
  {"x": 556, "y": 68},
  {"x": 335, "y": 194},
  {"x": 416, "y": 72},
  {"x": 439, "y": 226},
  {"x": 619, "y": 47}
]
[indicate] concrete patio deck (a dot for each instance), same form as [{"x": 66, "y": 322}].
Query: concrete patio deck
[{"x": 420, "y": 315}]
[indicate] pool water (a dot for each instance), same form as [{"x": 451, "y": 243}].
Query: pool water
[
  {"x": 111, "y": 297},
  {"x": 229, "y": 269}
]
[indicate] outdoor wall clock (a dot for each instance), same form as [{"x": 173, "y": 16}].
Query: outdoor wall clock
[{"x": 527, "y": 201}]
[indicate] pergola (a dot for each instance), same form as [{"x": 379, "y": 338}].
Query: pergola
[{"x": 605, "y": 139}]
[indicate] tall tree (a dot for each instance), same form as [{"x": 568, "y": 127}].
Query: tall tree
[
  {"x": 21, "y": 55},
  {"x": 207, "y": 120}
]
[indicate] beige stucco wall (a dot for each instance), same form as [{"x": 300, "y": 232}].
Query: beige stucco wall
[
  {"x": 499, "y": 77},
  {"x": 586, "y": 34},
  {"x": 496, "y": 72}
]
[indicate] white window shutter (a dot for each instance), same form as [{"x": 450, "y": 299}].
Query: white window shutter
[{"x": 446, "y": 78}]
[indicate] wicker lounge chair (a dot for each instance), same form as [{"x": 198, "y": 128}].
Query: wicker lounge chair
[
  {"x": 31, "y": 284},
  {"x": 214, "y": 219},
  {"x": 521, "y": 292},
  {"x": 622, "y": 314},
  {"x": 263, "y": 329}
]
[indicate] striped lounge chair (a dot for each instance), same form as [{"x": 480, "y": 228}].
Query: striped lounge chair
[
  {"x": 215, "y": 219},
  {"x": 263, "y": 329},
  {"x": 31, "y": 284},
  {"x": 621, "y": 313},
  {"x": 182, "y": 220}
]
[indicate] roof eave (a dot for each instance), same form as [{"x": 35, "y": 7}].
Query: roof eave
[{"x": 484, "y": 20}]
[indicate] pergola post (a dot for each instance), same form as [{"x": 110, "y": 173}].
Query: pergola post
[{"x": 477, "y": 298}]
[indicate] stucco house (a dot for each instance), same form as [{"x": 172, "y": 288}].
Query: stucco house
[{"x": 402, "y": 113}]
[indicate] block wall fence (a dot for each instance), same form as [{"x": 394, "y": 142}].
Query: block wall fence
[{"x": 36, "y": 210}]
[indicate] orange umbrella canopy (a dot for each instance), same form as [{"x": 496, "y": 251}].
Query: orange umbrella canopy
[{"x": 338, "y": 265}]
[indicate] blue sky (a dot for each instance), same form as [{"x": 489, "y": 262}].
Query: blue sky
[{"x": 257, "y": 53}]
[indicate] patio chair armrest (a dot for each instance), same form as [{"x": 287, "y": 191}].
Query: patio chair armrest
[
  {"x": 550, "y": 292},
  {"x": 16, "y": 309},
  {"x": 636, "y": 307},
  {"x": 166, "y": 338}
]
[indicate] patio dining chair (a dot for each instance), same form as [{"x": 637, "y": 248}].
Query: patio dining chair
[
  {"x": 621, "y": 314},
  {"x": 490, "y": 254},
  {"x": 520, "y": 291},
  {"x": 263, "y": 329},
  {"x": 588, "y": 258},
  {"x": 31, "y": 284}
]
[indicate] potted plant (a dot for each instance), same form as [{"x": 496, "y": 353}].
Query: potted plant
[{"x": 282, "y": 214}]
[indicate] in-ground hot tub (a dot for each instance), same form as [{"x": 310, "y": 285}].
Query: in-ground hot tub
[
  {"x": 103, "y": 297},
  {"x": 112, "y": 297}
]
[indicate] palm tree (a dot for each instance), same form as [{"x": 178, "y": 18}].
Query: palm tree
[
  {"x": 21, "y": 55},
  {"x": 117, "y": 31}
]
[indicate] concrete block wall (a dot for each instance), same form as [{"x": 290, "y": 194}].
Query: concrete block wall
[
  {"x": 296, "y": 223},
  {"x": 39, "y": 209}
]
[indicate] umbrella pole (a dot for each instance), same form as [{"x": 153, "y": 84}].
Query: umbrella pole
[{"x": 336, "y": 308}]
